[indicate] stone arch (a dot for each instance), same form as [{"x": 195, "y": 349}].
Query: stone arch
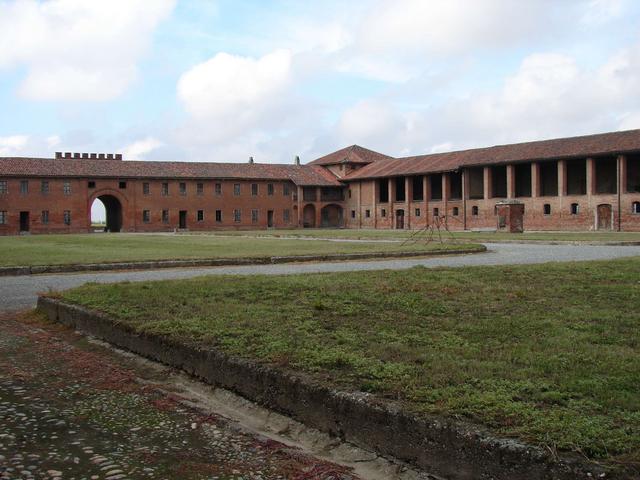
[
  {"x": 113, "y": 204},
  {"x": 331, "y": 216},
  {"x": 309, "y": 216}
]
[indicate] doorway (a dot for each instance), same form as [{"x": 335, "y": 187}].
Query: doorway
[
  {"x": 24, "y": 221},
  {"x": 110, "y": 216},
  {"x": 182, "y": 222},
  {"x": 604, "y": 217},
  {"x": 269, "y": 218},
  {"x": 400, "y": 219}
]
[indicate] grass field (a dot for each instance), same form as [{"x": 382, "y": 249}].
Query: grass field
[
  {"x": 100, "y": 248},
  {"x": 461, "y": 236},
  {"x": 547, "y": 353}
]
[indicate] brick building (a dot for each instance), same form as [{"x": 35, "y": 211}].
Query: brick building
[{"x": 579, "y": 183}]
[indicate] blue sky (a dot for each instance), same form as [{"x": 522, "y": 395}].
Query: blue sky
[{"x": 224, "y": 80}]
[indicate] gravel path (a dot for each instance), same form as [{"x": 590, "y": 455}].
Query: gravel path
[{"x": 21, "y": 292}]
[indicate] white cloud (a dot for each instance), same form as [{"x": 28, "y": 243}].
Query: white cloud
[
  {"x": 13, "y": 145},
  {"x": 77, "y": 49},
  {"x": 139, "y": 149}
]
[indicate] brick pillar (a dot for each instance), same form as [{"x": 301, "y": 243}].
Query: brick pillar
[
  {"x": 445, "y": 192},
  {"x": 360, "y": 204},
  {"x": 374, "y": 203},
  {"x": 511, "y": 181},
  {"x": 535, "y": 179},
  {"x": 562, "y": 178},
  {"x": 465, "y": 195},
  {"x": 487, "y": 187},
  {"x": 622, "y": 178},
  {"x": 591, "y": 176},
  {"x": 392, "y": 197},
  {"x": 426, "y": 193},
  {"x": 300, "y": 207},
  {"x": 408, "y": 196}
]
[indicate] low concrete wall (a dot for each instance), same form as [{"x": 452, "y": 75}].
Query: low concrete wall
[
  {"x": 440, "y": 446},
  {"x": 221, "y": 262}
]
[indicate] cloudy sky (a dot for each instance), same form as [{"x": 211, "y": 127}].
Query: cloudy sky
[{"x": 220, "y": 80}]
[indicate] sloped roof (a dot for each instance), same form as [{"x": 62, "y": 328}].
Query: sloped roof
[
  {"x": 560, "y": 148},
  {"x": 352, "y": 154},
  {"x": 95, "y": 168}
]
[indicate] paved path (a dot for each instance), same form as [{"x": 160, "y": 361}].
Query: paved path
[{"x": 21, "y": 292}]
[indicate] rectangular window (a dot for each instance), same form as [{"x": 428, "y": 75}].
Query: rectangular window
[
  {"x": 44, "y": 217},
  {"x": 122, "y": 185},
  {"x": 218, "y": 189},
  {"x": 269, "y": 188},
  {"x": 383, "y": 213},
  {"x": 66, "y": 188},
  {"x": 547, "y": 209},
  {"x": 200, "y": 216},
  {"x": 91, "y": 184},
  {"x": 3, "y": 187},
  {"x": 417, "y": 212},
  {"x": 237, "y": 215},
  {"x": 145, "y": 188},
  {"x": 236, "y": 189},
  {"x": 435, "y": 186},
  {"x": 349, "y": 193},
  {"x": 367, "y": 213},
  {"x": 286, "y": 216},
  {"x": 285, "y": 190},
  {"x": 165, "y": 216},
  {"x": 146, "y": 216},
  {"x": 165, "y": 189},
  {"x": 436, "y": 212},
  {"x": 254, "y": 216},
  {"x": 24, "y": 186},
  {"x": 254, "y": 189},
  {"x": 44, "y": 187},
  {"x": 183, "y": 188},
  {"x": 3, "y": 217},
  {"x": 218, "y": 215},
  {"x": 200, "y": 189},
  {"x": 67, "y": 217},
  {"x": 353, "y": 214},
  {"x": 575, "y": 209}
]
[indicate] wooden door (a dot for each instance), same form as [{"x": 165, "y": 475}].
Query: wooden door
[
  {"x": 604, "y": 217},
  {"x": 400, "y": 219}
]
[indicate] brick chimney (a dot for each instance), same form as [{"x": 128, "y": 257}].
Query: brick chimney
[{"x": 296, "y": 160}]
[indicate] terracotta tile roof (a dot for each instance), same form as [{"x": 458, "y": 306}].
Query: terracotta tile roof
[
  {"x": 68, "y": 167},
  {"x": 584, "y": 146},
  {"x": 352, "y": 154}
]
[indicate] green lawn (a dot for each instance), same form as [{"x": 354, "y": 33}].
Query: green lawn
[
  {"x": 547, "y": 353},
  {"x": 462, "y": 236},
  {"x": 99, "y": 248}
]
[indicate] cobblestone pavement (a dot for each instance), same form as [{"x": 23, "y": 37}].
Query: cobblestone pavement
[
  {"x": 70, "y": 409},
  {"x": 21, "y": 292}
]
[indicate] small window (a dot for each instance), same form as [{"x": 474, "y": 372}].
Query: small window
[
  {"x": 474, "y": 210},
  {"x": 349, "y": 193},
  {"x": 3, "y": 217},
  {"x": 200, "y": 216},
  {"x": 218, "y": 213},
  {"x": 547, "y": 209},
  {"x": 67, "y": 217},
  {"x": 269, "y": 188},
  {"x": 200, "y": 188},
  {"x": 455, "y": 211},
  {"x": 122, "y": 185},
  {"x": 218, "y": 189},
  {"x": 145, "y": 188},
  {"x": 286, "y": 216},
  {"x": 236, "y": 189},
  {"x": 254, "y": 216},
  {"x": 146, "y": 216},
  {"x": 183, "y": 188},
  {"x": 635, "y": 207},
  {"x": 285, "y": 190},
  {"x": 66, "y": 188},
  {"x": 44, "y": 217},
  {"x": 91, "y": 184},
  {"x": 165, "y": 216},
  {"x": 353, "y": 214},
  {"x": 383, "y": 212},
  {"x": 417, "y": 212},
  {"x": 237, "y": 215},
  {"x": 3, "y": 187},
  {"x": 44, "y": 187},
  {"x": 254, "y": 189},
  {"x": 165, "y": 189},
  {"x": 575, "y": 209},
  {"x": 436, "y": 212},
  {"x": 24, "y": 186},
  {"x": 367, "y": 213}
]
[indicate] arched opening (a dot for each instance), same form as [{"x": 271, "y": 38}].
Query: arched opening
[
  {"x": 331, "y": 216},
  {"x": 106, "y": 213},
  {"x": 309, "y": 216}
]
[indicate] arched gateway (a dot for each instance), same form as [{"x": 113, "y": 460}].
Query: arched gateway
[{"x": 113, "y": 210}]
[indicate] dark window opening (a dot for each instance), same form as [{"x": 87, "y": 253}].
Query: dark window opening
[
  {"x": 417, "y": 188},
  {"x": 3, "y": 187},
  {"x": 200, "y": 216},
  {"x": 353, "y": 214},
  {"x": 66, "y": 188},
  {"x": 24, "y": 186},
  {"x": 523, "y": 179},
  {"x": 66, "y": 216},
  {"x": 633, "y": 173},
  {"x": 92, "y": 184},
  {"x": 577, "y": 177},
  {"x": 165, "y": 189},
  {"x": 635, "y": 207},
  {"x": 547, "y": 209},
  {"x": 236, "y": 189},
  {"x": 199, "y": 188},
  {"x": 549, "y": 179},
  {"x": 122, "y": 185},
  {"x": 254, "y": 216},
  {"x": 218, "y": 216},
  {"x": 269, "y": 188},
  {"x": 575, "y": 208},
  {"x": 400, "y": 189},
  {"x": 309, "y": 194},
  {"x": 436, "y": 212},
  {"x": 476, "y": 183},
  {"x": 455, "y": 185},
  {"x": 165, "y": 216},
  {"x": 455, "y": 211},
  {"x": 435, "y": 186},
  {"x": 367, "y": 213},
  {"x": 145, "y": 188},
  {"x": 417, "y": 212},
  {"x": 146, "y": 216},
  {"x": 218, "y": 189},
  {"x": 331, "y": 194},
  {"x": 383, "y": 190},
  {"x": 183, "y": 188},
  {"x": 606, "y": 172},
  {"x": 237, "y": 215},
  {"x": 44, "y": 187},
  {"x": 499, "y": 181},
  {"x": 383, "y": 213},
  {"x": 474, "y": 210},
  {"x": 45, "y": 217},
  {"x": 285, "y": 189},
  {"x": 254, "y": 189}
]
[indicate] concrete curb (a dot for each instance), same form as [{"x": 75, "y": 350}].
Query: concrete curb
[
  {"x": 222, "y": 262},
  {"x": 437, "y": 445}
]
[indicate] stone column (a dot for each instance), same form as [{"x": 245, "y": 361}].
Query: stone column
[
  {"x": 535, "y": 179},
  {"x": 511, "y": 181}
]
